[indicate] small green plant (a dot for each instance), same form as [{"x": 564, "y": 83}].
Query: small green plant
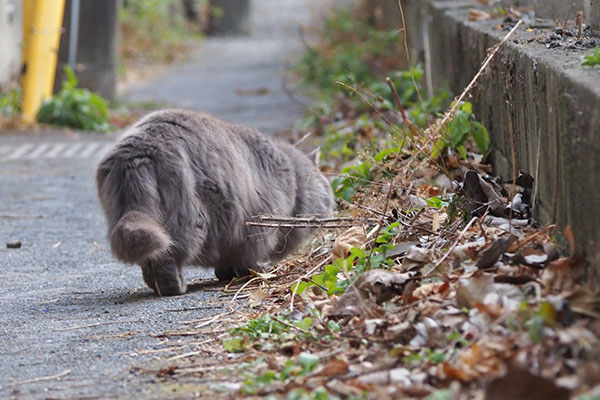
[
  {"x": 10, "y": 102},
  {"x": 319, "y": 393},
  {"x": 459, "y": 340},
  {"x": 351, "y": 178},
  {"x": 458, "y": 131},
  {"x": 75, "y": 107},
  {"x": 533, "y": 319},
  {"x": 593, "y": 59},
  {"x": 442, "y": 394},
  {"x": 260, "y": 331},
  {"x": 425, "y": 355},
  {"x": 436, "y": 202},
  {"x": 458, "y": 207},
  {"x": 435, "y": 356},
  {"x": 292, "y": 369},
  {"x": 338, "y": 276}
]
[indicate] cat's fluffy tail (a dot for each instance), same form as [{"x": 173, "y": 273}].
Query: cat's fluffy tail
[{"x": 137, "y": 236}]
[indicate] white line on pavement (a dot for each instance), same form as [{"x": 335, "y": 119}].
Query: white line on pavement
[
  {"x": 89, "y": 150},
  {"x": 19, "y": 151},
  {"x": 37, "y": 151},
  {"x": 55, "y": 150}
]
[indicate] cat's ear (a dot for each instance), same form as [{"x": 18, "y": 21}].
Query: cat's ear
[{"x": 315, "y": 156}]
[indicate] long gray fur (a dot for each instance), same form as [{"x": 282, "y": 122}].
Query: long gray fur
[{"x": 179, "y": 186}]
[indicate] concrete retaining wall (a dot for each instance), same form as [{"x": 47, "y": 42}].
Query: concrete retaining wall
[
  {"x": 11, "y": 21},
  {"x": 541, "y": 99}
]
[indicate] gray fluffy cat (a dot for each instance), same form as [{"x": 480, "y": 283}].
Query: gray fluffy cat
[{"x": 178, "y": 188}]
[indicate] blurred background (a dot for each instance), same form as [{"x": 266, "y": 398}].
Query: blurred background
[{"x": 111, "y": 45}]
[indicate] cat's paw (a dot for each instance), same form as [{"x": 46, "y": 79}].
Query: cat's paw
[
  {"x": 228, "y": 273},
  {"x": 224, "y": 273},
  {"x": 164, "y": 277},
  {"x": 171, "y": 288}
]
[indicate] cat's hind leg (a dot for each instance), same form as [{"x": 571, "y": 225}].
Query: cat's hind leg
[
  {"x": 227, "y": 273},
  {"x": 164, "y": 276}
]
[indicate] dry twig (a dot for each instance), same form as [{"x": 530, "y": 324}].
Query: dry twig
[
  {"x": 471, "y": 84},
  {"x": 40, "y": 379},
  {"x": 97, "y": 324},
  {"x": 462, "y": 233}
]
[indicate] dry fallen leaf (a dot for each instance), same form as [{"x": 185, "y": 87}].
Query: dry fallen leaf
[
  {"x": 520, "y": 384},
  {"x": 478, "y": 15},
  {"x": 372, "y": 288},
  {"x": 492, "y": 253},
  {"x": 256, "y": 298},
  {"x": 470, "y": 291},
  {"x": 429, "y": 289},
  {"x": 353, "y": 237},
  {"x": 564, "y": 274},
  {"x": 334, "y": 367}
]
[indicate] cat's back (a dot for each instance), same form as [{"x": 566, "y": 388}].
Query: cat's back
[{"x": 169, "y": 127}]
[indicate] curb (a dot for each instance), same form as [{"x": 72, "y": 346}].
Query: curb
[{"x": 542, "y": 98}]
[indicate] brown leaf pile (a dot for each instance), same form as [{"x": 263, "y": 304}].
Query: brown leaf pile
[{"x": 470, "y": 306}]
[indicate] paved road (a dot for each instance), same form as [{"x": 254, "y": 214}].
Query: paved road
[
  {"x": 241, "y": 79},
  {"x": 62, "y": 278},
  {"x": 73, "y": 321}
]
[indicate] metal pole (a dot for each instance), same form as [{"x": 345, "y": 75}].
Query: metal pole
[
  {"x": 42, "y": 55},
  {"x": 74, "y": 36}
]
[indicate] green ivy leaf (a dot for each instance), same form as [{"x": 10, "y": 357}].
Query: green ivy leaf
[
  {"x": 480, "y": 137},
  {"x": 304, "y": 324},
  {"x": 434, "y": 202},
  {"x": 308, "y": 362},
  {"x": 459, "y": 129},
  {"x": 467, "y": 107},
  {"x": 235, "y": 345},
  {"x": 593, "y": 59}
]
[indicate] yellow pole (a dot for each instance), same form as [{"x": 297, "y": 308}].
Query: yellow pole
[
  {"x": 28, "y": 6},
  {"x": 42, "y": 21}
]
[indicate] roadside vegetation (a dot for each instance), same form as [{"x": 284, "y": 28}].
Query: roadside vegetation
[
  {"x": 433, "y": 282},
  {"x": 72, "y": 107},
  {"x": 75, "y": 107},
  {"x": 593, "y": 59},
  {"x": 152, "y": 31}
]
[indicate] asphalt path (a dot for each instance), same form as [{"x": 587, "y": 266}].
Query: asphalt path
[
  {"x": 68, "y": 308},
  {"x": 74, "y": 322}
]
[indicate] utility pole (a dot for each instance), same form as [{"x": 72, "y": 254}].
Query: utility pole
[{"x": 90, "y": 44}]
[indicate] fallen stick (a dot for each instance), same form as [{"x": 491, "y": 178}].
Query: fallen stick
[
  {"x": 195, "y": 308},
  {"x": 407, "y": 122},
  {"x": 270, "y": 218},
  {"x": 462, "y": 233},
  {"x": 40, "y": 379},
  {"x": 300, "y": 225},
  {"x": 306, "y": 275},
  {"x": 95, "y": 324},
  {"x": 471, "y": 84}
]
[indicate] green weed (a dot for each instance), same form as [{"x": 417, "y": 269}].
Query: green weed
[
  {"x": 338, "y": 276},
  {"x": 425, "y": 356},
  {"x": 152, "y": 29},
  {"x": 75, "y": 107},
  {"x": 10, "y": 102},
  {"x": 593, "y": 59},
  {"x": 442, "y": 394},
  {"x": 354, "y": 52},
  {"x": 533, "y": 319},
  {"x": 347, "y": 183},
  {"x": 292, "y": 369},
  {"x": 459, "y": 130},
  {"x": 268, "y": 331}
]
